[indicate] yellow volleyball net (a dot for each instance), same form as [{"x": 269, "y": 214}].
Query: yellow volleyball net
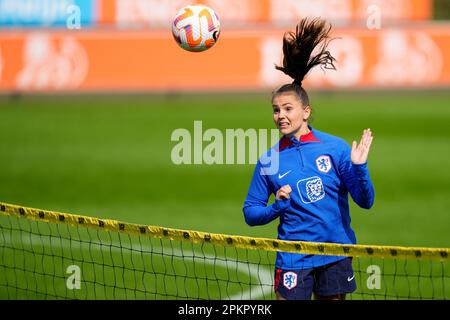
[{"x": 53, "y": 255}]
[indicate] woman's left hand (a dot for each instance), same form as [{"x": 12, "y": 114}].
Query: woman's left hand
[{"x": 360, "y": 151}]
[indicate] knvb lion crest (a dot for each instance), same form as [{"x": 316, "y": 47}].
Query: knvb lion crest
[
  {"x": 311, "y": 189},
  {"x": 290, "y": 280},
  {"x": 323, "y": 164},
  {"x": 314, "y": 189}
]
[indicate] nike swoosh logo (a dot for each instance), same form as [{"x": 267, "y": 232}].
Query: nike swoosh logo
[
  {"x": 281, "y": 176},
  {"x": 350, "y": 278}
]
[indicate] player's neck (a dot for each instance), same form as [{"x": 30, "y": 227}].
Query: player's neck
[{"x": 300, "y": 132}]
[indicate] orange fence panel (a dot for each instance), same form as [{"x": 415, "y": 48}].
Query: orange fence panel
[
  {"x": 152, "y": 61},
  {"x": 238, "y": 13}
]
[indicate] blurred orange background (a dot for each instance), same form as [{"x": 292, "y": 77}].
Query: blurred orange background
[{"x": 130, "y": 48}]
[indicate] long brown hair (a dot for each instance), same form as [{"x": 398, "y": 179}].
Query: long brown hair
[{"x": 298, "y": 57}]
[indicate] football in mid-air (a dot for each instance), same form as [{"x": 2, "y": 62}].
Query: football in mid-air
[{"x": 196, "y": 28}]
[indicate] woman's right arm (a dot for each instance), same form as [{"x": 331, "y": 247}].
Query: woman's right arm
[{"x": 256, "y": 211}]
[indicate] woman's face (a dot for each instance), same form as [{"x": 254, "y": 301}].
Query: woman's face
[{"x": 289, "y": 114}]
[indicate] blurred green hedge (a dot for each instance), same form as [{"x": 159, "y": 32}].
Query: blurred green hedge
[{"x": 441, "y": 10}]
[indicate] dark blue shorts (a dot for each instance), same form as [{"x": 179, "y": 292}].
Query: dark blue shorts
[{"x": 328, "y": 280}]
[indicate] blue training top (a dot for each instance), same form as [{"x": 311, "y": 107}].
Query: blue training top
[{"x": 319, "y": 170}]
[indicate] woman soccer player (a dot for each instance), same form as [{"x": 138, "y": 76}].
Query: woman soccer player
[{"x": 316, "y": 173}]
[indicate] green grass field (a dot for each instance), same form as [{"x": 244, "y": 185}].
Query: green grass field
[{"x": 109, "y": 157}]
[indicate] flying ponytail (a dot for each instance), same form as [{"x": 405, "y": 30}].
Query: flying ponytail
[{"x": 298, "y": 57}]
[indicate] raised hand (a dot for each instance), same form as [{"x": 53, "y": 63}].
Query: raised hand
[{"x": 360, "y": 151}]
